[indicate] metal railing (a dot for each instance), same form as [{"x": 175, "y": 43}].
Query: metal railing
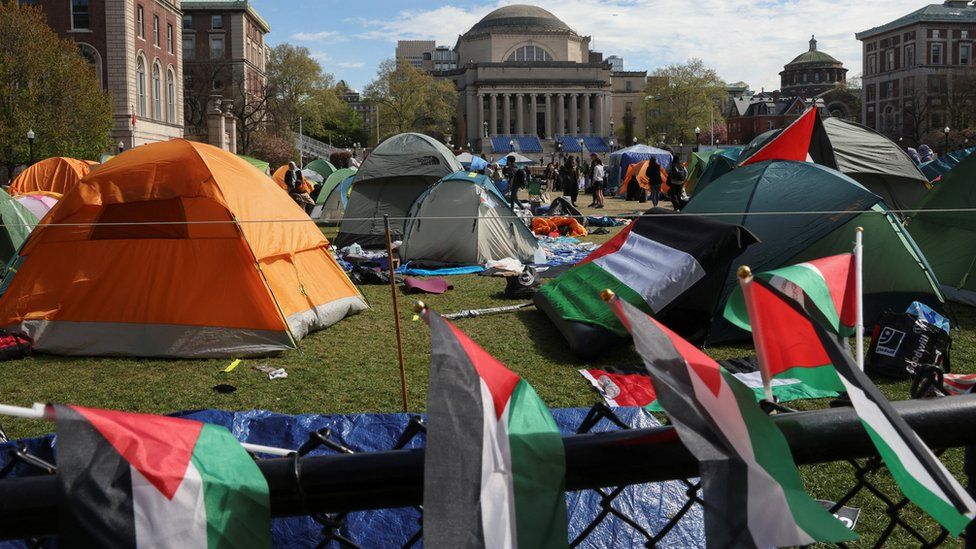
[{"x": 328, "y": 487}]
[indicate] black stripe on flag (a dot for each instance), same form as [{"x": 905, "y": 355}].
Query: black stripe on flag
[
  {"x": 95, "y": 504},
  {"x": 723, "y": 474},
  {"x": 846, "y": 368},
  {"x": 704, "y": 239},
  {"x": 452, "y": 466}
]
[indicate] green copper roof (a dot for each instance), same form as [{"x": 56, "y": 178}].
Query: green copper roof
[
  {"x": 813, "y": 57},
  {"x": 933, "y": 13}
]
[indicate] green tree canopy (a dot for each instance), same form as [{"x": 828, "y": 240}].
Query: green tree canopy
[
  {"x": 46, "y": 86},
  {"x": 681, "y": 97},
  {"x": 410, "y": 100}
]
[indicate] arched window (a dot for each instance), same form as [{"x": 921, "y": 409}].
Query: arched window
[
  {"x": 170, "y": 97},
  {"x": 90, "y": 54},
  {"x": 530, "y": 53},
  {"x": 141, "y": 86},
  {"x": 157, "y": 93}
]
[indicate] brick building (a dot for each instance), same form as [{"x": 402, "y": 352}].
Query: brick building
[
  {"x": 914, "y": 66},
  {"x": 224, "y": 56},
  {"x": 753, "y": 115},
  {"x": 133, "y": 46}
]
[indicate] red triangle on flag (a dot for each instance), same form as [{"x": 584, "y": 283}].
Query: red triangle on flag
[
  {"x": 839, "y": 273},
  {"x": 159, "y": 447},
  {"x": 787, "y": 338},
  {"x": 500, "y": 380},
  {"x": 793, "y": 143}
]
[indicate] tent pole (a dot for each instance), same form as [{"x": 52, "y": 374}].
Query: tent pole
[
  {"x": 396, "y": 310},
  {"x": 859, "y": 290}
]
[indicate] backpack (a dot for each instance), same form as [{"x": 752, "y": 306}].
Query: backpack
[{"x": 902, "y": 344}]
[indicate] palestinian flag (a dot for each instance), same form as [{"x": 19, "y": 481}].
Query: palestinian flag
[
  {"x": 135, "y": 480},
  {"x": 920, "y": 475},
  {"x": 805, "y": 140},
  {"x": 495, "y": 468},
  {"x": 751, "y": 487},
  {"x": 649, "y": 264},
  {"x": 620, "y": 388},
  {"x": 827, "y": 285}
]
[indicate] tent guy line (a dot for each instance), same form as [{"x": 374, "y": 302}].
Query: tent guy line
[{"x": 44, "y": 411}]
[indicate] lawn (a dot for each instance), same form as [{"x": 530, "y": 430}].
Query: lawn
[{"x": 352, "y": 367}]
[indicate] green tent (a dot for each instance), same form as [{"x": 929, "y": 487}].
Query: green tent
[
  {"x": 321, "y": 166},
  {"x": 719, "y": 163},
  {"x": 18, "y": 222},
  {"x": 329, "y": 204},
  {"x": 949, "y": 238},
  {"x": 257, "y": 163},
  {"x": 936, "y": 169},
  {"x": 895, "y": 271}
]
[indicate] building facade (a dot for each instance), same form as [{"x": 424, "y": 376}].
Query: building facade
[
  {"x": 522, "y": 71},
  {"x": 915, "y": 66},
  {"x": 224, "y": 56},
  {"x": 133, "y": 46}
]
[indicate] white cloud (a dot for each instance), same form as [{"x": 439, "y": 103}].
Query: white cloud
[
  {"x": 350, "y": 64},
  {"x": 748, "y": 40},
  {"x": 321, "y": 36}
]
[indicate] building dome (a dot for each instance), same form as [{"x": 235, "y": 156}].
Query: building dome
[
  {"x": 813, "y": 55},
  {"x": 812, "y": 73},
  {"x": 522, "y": 17}
]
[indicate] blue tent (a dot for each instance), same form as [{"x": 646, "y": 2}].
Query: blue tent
[
  {"x": 622, "y": 159},
  {"x": 938, "y": 168}
]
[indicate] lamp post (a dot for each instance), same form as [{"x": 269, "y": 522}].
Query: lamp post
[
  {"x": 946, "y": 132},
  {"x": 611, "y": 127},
  {"x": 121, "y": 147},
  {"x": 611, "y": 144},
  {"x": 697, "y": 138},
  {"x": 468, "y": 144},
  {"x": 30, "y": 146},
  {"x": 635, "y": 140},
  {"x": 581, "y": 143},
  {"x": 511, "y": 145}
]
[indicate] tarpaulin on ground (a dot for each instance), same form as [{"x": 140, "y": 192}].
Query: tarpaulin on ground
[{"x": 650, "y": 505}]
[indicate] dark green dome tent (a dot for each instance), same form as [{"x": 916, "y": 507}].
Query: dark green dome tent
[
  {"x": 321, "y": 167},
  {"x": 393, "y": 176},
  {"x": 948, "y": 239},
  {"x": 895, "y": 271}
]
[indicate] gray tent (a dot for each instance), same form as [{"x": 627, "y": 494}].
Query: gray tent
[
  {"x": 394, "y": 175},
  {"x": 464, "y": 220}
]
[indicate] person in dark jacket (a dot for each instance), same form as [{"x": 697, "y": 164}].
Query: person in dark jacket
[
  {"x": 676, "y": 182},
  {"x": 569, "y": 174},
  {"x": 653, "y": 174}
]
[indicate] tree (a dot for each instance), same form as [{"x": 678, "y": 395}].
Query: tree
[
  {"x": 46, "y": 86},
  {"x": 272, "y": 147},
  {"x": 410, "y": 100},
  {"x": 916, "y": 114},
  {"x": 681, "y": 97}
]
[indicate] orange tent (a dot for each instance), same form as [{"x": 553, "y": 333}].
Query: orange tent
[
  {"x": 57, "y": 175},
  {"x": 636, "y": 171},
  {"x": 175, "y": 249},
  {"x": 279, "y": 177}
]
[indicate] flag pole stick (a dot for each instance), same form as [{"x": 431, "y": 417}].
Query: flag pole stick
[
  {"x": 745, "y": 279},
  {"x": 41, "y": 411},
  {"x": 859, "y": 290},
  {"x": 396, "y": 311}
]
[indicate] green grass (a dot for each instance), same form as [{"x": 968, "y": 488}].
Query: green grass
[{"x": 352, "y": 367}]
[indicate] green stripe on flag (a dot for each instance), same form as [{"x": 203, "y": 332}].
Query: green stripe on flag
[
  {"x": 235, "y": 492},
  {"x": 772, "y": 454},
  {"x": 783, "y": 393},
  {"x": 812, "y": 282},
  {"x": 940, "y": 509},
  {"x": 538, "y": 471},
  {"x": 822, "y": 378},
  {"x": 575, "y": 296}
]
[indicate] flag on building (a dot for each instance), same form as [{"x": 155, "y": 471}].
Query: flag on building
[
  {"x": 751, "y": 487},
  {"x": 920, "y": 475},
  {"x": 136, "y": 480},
  {"x": 494, "y": 468},
  {"x": 805, "y": 140}
]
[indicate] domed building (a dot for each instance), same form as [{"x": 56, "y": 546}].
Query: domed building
[
  {"x": 812, "y": 73},
  {"x": 522, "y": 71}
]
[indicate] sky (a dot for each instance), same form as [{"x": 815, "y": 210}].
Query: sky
[{"x": 743, "y": 40}]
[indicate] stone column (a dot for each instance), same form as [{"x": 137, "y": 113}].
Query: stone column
[
  {"x": 599, "y": 123},
  {"x": 493, "y": 127},
  {"x": 533, "y": 115},
  {"x": 506, "y": 113},
  {"x": 520, "y": 114},
  {"x": 560, "y": 114},
  {"x": 585, "y": 127},
  {"x": 549, "y": 132},
  {"x": 216, "y": 123},
  {"x": 574, "y": 114},
  {"x": 230, "y": 126},
  {"x": 481, "y": 115}
]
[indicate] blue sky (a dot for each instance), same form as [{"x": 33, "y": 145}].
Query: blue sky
[{"x": 747, "y": 40}]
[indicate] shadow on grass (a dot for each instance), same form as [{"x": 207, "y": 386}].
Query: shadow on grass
[{"x": 551, "y": 345}]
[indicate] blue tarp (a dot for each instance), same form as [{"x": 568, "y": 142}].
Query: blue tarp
[
  {"x": 623, "y": 158},
  {"x": 650, "y": 505}
]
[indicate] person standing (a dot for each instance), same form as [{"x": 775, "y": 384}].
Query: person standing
[
  {"x": 295, "y": 183},
  {"x": 599, "y": 176},
  {"x": 570, "y": 179},
  {"x": 653, "y": 174},
  {"x": 676, "y": 182}
]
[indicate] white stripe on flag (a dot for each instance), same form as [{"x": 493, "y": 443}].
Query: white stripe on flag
[
  {"x": 162, "y": 523},
  {"x": 497, "y": 492},
  {"x": 753, "y": 380},
  {"x": 657, "y": 272},
  {"x": 771, "y": 523}
]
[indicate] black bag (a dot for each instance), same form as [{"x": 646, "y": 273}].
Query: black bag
[
  {"x": 902, "y": 343},
  {"x": 525, "y": 285},
  {"x": 13, "y": 346}
]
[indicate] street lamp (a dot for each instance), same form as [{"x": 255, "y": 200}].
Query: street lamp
[
  {"x": 30, "y": 145},
  {"x": 611, "y": 126},
  {"x": 511, "y": 145},
  {"x": 468, "y": 145},
  {"x": 946, "y": 132},
  {"x": 121, "y": 147},
  {"x": 697, "y": 138},
  {"x": 635, "y": 140},
  {"x": 581, "y": 145}
]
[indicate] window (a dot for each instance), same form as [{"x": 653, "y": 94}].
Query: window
[
  {"x": 79, "y": 14},
  {"x": 91, "y": 55},
  {"x": 872, "y": 64},
  {"x": 141, "y": 86},
  {"x": 140, "y": 22},
  {"x": 156, "y": 30},
  {"x": 157, "y": 100},
  {"x": 936, "y": 54},
  {"x": 216, "y": 84},
  {"x": 187, "y": 22},
  {"x": 216, "y": 22},
  {"x": 816, "y": 77},
  {"x": 964, "y": 34},
  {"x": 216, "y": 47},
  {"x": 189, "y": 47},
  {"x": 170, "y": 97},
  {"x": 169, "y": 38},
  {"x": 530, "y": 53},
  {"x": 890, "y": 60},
  {"x": 909, "y": 56},
  {"x": 936, "y": 34},
  {"x": 965, "y": 53}
]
